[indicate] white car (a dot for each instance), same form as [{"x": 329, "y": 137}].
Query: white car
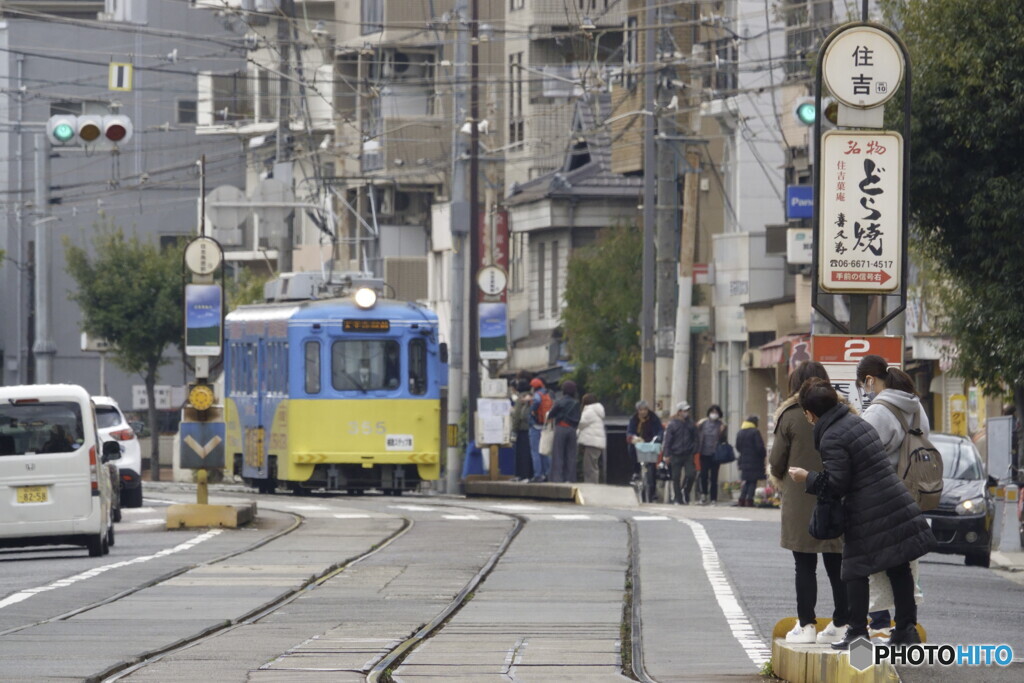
[
  {"x": 114, "y": 427},
  {"x": 54, "y": 488}
]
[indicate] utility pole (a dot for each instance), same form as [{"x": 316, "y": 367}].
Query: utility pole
[
  {"x": 284, "y": 134},
  {"x": 460, "y": 220},
  {"x": 687, "y": 244},
  {"x": 667, "y": 237},
  {"x": 43, "y": 349},
  {"x": 647, "y": 374},
  {"x": 474, "y": 214}
]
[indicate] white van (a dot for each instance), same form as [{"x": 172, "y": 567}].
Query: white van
[{"x": 54, "y": 489}]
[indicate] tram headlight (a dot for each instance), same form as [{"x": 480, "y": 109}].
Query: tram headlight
[{"x": 365, "y": 297}]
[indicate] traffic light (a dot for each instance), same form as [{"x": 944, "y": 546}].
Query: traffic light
[
  {"x": 806, "y": 111},
  {"x": 65, "y": 130}
]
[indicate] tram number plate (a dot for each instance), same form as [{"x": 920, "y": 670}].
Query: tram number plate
[
  {"x": 398, "y": 442},
  {"x": 33, "y": 494}
]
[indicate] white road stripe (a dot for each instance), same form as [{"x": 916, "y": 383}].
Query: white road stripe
[
  {"x": 153, "y": 522},
  {"x": 733, "y": 519},
  {"x": 351, "y": 515},
  {"x": 414, "y": 508},
  {"x": 96, "y": 571},
  {"x": 569, "y": 517},
  {"x": 305, "y": 507},
  {"x": 459, "y": 517},
  {"x": 742, "y": 630},
  {"x": 650, "y": 518},
  {"x": 515, "y": 507}
]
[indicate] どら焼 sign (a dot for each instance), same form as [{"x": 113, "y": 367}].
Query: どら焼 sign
[{"x": 860, "y": 232}]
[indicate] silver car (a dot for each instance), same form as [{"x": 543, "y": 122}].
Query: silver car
[{"x": 113, "y": 426}]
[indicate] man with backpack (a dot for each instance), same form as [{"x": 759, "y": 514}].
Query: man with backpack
[{"x": 540, "y": 404}]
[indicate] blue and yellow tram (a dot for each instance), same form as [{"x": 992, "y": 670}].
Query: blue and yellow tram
[{"x": 341, "y": 394}]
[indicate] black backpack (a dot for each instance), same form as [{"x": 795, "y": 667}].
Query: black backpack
[{"x": 920, "y": 463}]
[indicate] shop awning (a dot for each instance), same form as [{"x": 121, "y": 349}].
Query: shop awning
[{"x": 781, "y": 350}]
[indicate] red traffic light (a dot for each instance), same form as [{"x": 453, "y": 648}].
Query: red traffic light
[{"x": 117, "y": 128}]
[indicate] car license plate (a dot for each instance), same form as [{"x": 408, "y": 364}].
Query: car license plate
[{"x": 32, "y": 494}]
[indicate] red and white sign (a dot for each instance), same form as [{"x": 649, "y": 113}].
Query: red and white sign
[
  {"x": 860, "y": 238},
  {"x": 841, "y": 353}
]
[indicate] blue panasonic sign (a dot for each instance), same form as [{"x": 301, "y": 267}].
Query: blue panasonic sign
[{"x": 799, "y": 201}]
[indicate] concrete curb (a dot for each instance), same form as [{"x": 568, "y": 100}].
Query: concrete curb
[{"x": 815, "y": 663}]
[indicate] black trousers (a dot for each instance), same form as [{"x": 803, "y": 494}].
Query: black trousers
[
  {"x": 747, "y": 492},
  {"x": 682, "y": 484},
  {"x": 807, "y": 587},
  {"x": 708, "y": 482},
  {"x": 902, "y": 581}
]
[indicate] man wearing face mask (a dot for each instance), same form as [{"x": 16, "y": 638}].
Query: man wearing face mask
[
  {"x": 711, "y": 431},
  {"x": 888, "y": 389}
]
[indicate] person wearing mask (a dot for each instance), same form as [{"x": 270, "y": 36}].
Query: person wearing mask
[
  {"x": 883, "y": 527},
  {"x": 644, "y": 427},
  {"x": 592, "y": 439},
  {"x": 793, "y": 446},
  {"x": 521, "y": 429},
  {"x": 540, "y": 404},
  {"x": 888, "y": 389},
  {"x": 750, "y": 458},
  {"x": 680, "y": 444},
  {"x": 711, "y": 431},
  {"x": 565, "y": 413}
]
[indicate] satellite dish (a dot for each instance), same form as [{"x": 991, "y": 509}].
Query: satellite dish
[{"x": 226, "y": 217}]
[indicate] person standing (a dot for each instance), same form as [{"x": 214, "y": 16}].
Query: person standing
[
  {"x": 521, "y": 429},
  {"x": 888, "y": 389},
  {"x": 884, "y": 529},
  {"x": 794, "y": 447},
  {"x": 711, "y": 431},
  {"x": 565, "y": 413},
  {"x": 644, "y": 427},
  {"x": 592, "y": 438},
  {"x": 750, "y": 447},
  {"x": 680, "y": 444},
  {"x": 540, "y": 404}
]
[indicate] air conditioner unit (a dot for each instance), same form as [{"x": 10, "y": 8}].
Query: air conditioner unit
[{"x": 408, "y": 276}]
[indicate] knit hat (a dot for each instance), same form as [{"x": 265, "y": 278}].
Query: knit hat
[
  {"x": 569, "y": 387},
  {"x": 753, "y": 418},
  {"x": 537, "y": 383}
]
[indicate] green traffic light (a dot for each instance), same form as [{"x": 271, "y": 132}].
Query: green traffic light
[
  {"x": 806, "y": 113},
  {"x": 63, "y": 132}
]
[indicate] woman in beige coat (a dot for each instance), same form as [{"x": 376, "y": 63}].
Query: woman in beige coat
[{"x": 793, "y": 446}]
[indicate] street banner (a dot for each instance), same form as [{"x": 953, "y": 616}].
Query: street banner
[{"x": 203, "y": 320}]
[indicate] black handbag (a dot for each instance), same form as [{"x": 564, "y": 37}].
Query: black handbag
[
  {"x": 827, "y": 519},
  {"x": 724, "y": 454}
]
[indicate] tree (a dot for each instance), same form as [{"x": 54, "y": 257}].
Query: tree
[
  {"x": 130, "y": 293},
  {"x": 967, "y": 182},
  {"x": 603, "y": 294}
]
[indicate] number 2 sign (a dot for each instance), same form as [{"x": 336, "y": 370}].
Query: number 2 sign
[{"x": 841, "y": 353}]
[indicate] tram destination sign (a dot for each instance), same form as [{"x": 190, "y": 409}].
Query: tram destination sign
[
  {"x": 860, "y": 233},
  {"x": 355, "y": 325}
]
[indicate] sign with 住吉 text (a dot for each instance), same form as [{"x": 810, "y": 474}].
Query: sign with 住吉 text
[{"x": 860, "y": 234}]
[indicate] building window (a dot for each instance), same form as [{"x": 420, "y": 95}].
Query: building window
[
  {"x": 630, "y": 52},
  {"x": 723, "y": 78},
  {"x": 515, "y": 94},
  {"x": 516, "y": 4},
  {"x": 372, "y": 16},
  {"x": 540, "y": 279},
  {"x": 517, "y": 262},
  {"x": 554, "y": 280},
  {"x": 187, "y": 113}
]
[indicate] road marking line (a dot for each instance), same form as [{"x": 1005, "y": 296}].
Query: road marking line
[
  {"x": 515, "y": 507},
  {"x": 568, "y": 517},
  {"x": 351, "y": 515},
  {"x": 733, "y": 519},
  {"x": 414, "y": 508},
  {"x": 459, "y": 517},
  {"x": 96, "y": 571},
  {"x": 740, "y": 625},
  {"x": 310, "y": 508},
  {"x": 153, "y": 522},
  {"x": 650, "y": 518}
]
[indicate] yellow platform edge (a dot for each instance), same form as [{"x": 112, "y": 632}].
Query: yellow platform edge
[
  {"x": 194, "y": 515},
  {"x": 821, "y": 664}
]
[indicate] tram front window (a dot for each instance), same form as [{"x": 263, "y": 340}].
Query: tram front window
[{"x": 365, "y": 365}]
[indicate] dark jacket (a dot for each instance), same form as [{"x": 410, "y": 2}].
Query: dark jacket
[
  {"x": 751, "y": 452},
  {"x": 680, "y": 438},
  {"x": 566, "y": 409},
  {"x": 646, "y": 430},
  {"x": 884, "y": 527}
]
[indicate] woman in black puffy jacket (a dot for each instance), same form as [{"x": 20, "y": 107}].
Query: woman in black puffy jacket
[{"x": 884, "y": 529}]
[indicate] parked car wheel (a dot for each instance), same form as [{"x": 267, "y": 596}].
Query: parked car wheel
[
  {"x": 977, "y": 559},
  {"x": 131, "y": 498},
  {"x": 110, "y": 536},
  {"x": 97, "y": 545}
]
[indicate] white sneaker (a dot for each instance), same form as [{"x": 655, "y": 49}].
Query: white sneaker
[
  {"x": 804, "y": 635},
  {"x": 831, "y": 633}
]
